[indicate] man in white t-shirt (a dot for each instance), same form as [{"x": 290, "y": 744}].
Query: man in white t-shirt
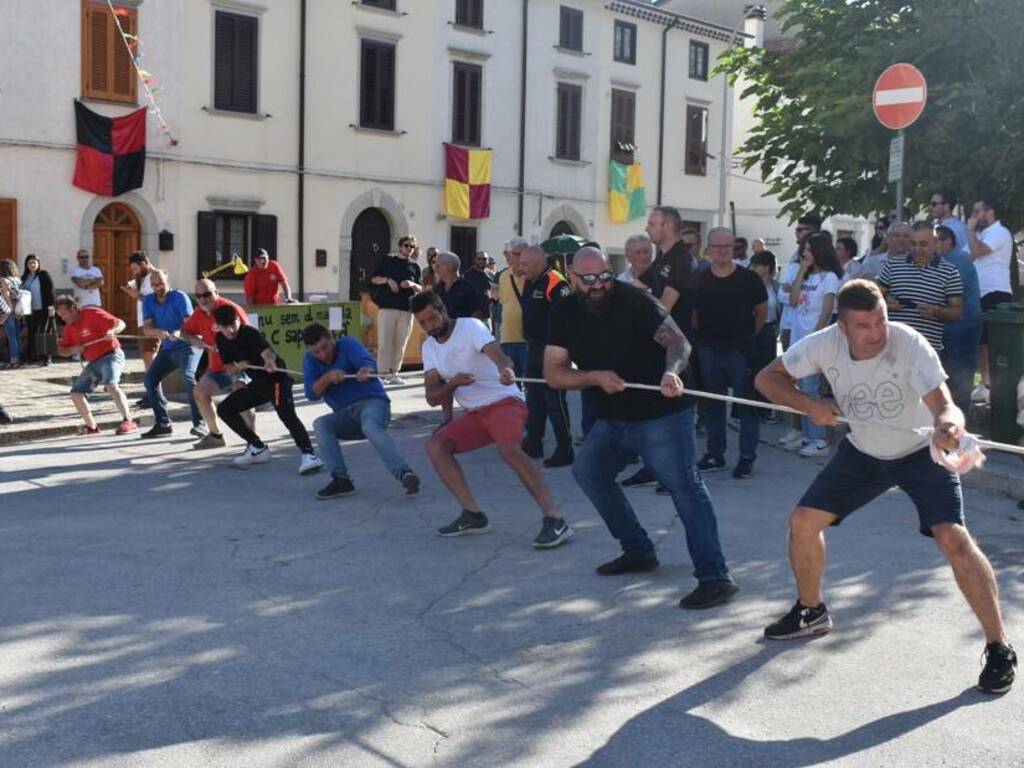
[
  {"x": 461, "y": 359},
  {"x": 990, "y": 246},
  {"x": 639, "y": 255},
  {"x": 887, "y": 380},
  {"x": 88, "y": 280}
]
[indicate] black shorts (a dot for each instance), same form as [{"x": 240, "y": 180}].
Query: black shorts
[
  {"x": 852, "y": 479},
  {"x": 989, "y": 302}
]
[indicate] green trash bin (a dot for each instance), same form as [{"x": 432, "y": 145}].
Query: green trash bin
[{"x": 1006, "y": 366}]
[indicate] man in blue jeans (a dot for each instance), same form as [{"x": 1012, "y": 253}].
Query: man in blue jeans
[
  {"x": 342, "y": 372},
  {"x": 616, "y": 333},
  {"x": 163, "y": 313}
]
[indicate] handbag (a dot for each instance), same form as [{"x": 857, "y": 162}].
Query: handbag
[{"x": 45, "y": 341}]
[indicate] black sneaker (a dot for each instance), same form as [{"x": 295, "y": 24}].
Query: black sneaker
[
  {"x": 643, "y": 476},
  {"x": 1000, "y": 668},
  {"x": 532, "y": 450},
  {"x": 157, "y": 430},
  {"x": 562, "y": 457},
  {"x": 411, "y": 482},
  {"x": 339, "y": 486},
  {"x": 801, "y": 621},
  {"x": 626, "y": 564},
  {"x": 5, "y": 417},
  {"x": 552, "y": 533},
  {"x": 711, "y": 463},
  {"x": 709, "y": 594},
  {"x": 743, "y": 469},
  {"x": 143, "y": 403},
  {"x": 466, "y": 523}
]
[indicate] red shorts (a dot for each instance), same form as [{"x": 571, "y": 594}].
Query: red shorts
[{"x": 502, "y": 422}]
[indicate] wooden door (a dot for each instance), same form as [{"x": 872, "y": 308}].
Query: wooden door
[
  {"x": 116, "y": 235},
  {"x": 371, "y": 241}
]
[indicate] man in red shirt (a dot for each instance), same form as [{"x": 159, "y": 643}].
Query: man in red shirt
[
  {"x": 92, "y": 333},
  {"x": 198, "y": 331},
  {"x": 264, "y": 281}
]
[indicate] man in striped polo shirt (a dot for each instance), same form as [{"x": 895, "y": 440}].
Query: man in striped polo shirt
[{"x": 921, "y": 289}]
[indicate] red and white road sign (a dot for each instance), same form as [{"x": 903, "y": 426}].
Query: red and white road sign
[{"x": 900, "y": 95}]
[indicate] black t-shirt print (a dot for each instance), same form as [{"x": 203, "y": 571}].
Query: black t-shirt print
[
  {"x": 620, "y": 340},
  {"x": 247, "y": 347},
  {"x": 398, "y": 269},
  {"x": 725, "y": 306}
]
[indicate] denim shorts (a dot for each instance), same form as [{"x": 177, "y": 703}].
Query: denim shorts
[
  {"x": 852, "y": 479},
  {"x": 98, "y": 373}
]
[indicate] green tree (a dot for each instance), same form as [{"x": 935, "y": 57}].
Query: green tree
[{"x": 816, "y": 138}]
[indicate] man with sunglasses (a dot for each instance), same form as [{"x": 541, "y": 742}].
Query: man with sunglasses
[
  {"x": 396, "y": 281},
  {"x": 87, "y": 279},
  {"x": 942, "y": 204},
  {"x": 617, "y": 333}
]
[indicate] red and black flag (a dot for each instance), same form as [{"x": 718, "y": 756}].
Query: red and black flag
[{"x": 111, "y": 156}]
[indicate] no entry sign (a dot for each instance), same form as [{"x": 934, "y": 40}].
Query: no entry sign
[{"x": 900, "y": 95}]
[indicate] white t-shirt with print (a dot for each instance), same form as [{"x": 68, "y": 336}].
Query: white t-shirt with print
[
  {"x": 994, "y": 269},
  {"x": 815, "y": 288},
  {"x": 87, "y": 297},
  {"x": 887, "y": 389},
  {"x": 461, "y": 353}
]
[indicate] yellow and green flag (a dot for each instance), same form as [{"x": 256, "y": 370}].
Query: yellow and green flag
[{"x": 627, "y": 197}]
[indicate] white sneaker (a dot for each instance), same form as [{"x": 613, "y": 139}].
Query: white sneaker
[
  {"x": 396, "y": 379},
  {"x": 797, "y": 445},
  {"x": 790, "y": 437},
  {"x": 253, "y": 455},
  {"x": 814, "y": 448},
  {"x": 310, "y": 464},
  {"x": 980, "y": 394}
]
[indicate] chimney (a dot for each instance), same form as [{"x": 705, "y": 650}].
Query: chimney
[{"x": 754, "y": 25}]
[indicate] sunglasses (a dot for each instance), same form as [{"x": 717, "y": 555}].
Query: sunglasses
[
  {"x": 937, "y": 202},
  {"x": 206, "y": 295},
  {"x": 601, "y": 277}
]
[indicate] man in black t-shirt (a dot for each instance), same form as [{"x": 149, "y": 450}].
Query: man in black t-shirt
[
  {"x": 458, "y": 294},
  {"x": 244, "y": 350},
  {"x": 395, "y": 282},
  {"x": 672, "y": 277},
  {"x": 617, "y": 333},
  {"x": 481, "y": 281},
  {"x": 730, "y": 310}
]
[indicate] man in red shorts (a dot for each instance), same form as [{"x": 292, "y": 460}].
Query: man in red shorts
[{"x": 461, "y": 359}]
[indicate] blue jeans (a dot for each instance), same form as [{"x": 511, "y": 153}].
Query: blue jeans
[
  {"x": 668, "y": 447},
  {"x": 960, "y": 359},
  {"x": 811, "y": 385},
  {"x": 363, "y": 420},
  {"x": 13, "y": 343},
  {"x": 721, "y": 368},
  {"x": 516, "y": 352},
  {"x": 184, "y": 359},
  {"x": 587, "y": 410}
]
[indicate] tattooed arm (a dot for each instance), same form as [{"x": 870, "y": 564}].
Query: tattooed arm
[{"x": 677, "y": 354}]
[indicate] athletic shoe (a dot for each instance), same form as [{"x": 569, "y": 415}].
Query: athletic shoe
[
  {"x": 980, "y": 394},
  {"x": 562, "y": 457},
  {"x": 792, "y": 436},
  {"x": 801, "y": 621},
  {"x": 1000, "y": 668},
  {"x": 199, "y": 430},
  {"x": 5, "y": 417},
  {"x": 209, "y": 441},
  {"x": 643, "y": 476},
  {"x": 125, "y": 427},
  {"x": 339, "y": 486},
  {"x": 744, "y": 468},
  {"x": 411, "y": 482},
  {"x": 627, "y": 564},
  {"x": 796, "y": 445},
  {"x": 708, "y": 594},
  {"x": 397, "y": 380},
  {"x": 310, "y": 464},
  {"x": 253, "y": 455},
  {"x": 466, "y": 523},
  {"x": 532, "y": 450},
  {"x": 711, "y": 463},
  {"x": 157, "y": 430},
  {"x": 815, "y": 448},
  {"x": 85, "y": 431},
  {"x": 552, "y": 533},
  {"x": 143, "y": 403}
]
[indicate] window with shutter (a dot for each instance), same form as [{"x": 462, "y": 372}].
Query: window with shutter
[
  {"x": 462, "y": 242},
  {"x": 107, "y": 71},
  {"x": 236, "y": 62},
  {"x": 9, "y": 229},
  {"x": 467, "y": 87},
  {"x": 469, "y": 13},
  {"x": 208, "y": 256},
  {"x": 624, "y": 46},
  {"x": 698, "y": 60},
  {"x": 388, "y": 5},
  {"x": 377, "y": 85},
  {"x": 264, "y": 235},
  {"x": 570, "y": 28},
  {"x": 623, "y": 124},
  {"x": 696, "y": 162},
  {"x": 568, "y": 128}
]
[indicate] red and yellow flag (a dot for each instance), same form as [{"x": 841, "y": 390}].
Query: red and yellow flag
[{"x": 467, "y": 182}]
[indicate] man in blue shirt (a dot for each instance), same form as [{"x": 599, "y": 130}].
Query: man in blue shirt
[
  {"x": 163, "y": 312},
  {"x": 960, "y": 340},
  {"x": 342, "y": 373}
]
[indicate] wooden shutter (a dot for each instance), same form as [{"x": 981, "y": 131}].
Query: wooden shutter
[
  {"x": 377, "y": 85},
  {"x": 206, "y": 245},
  {"x": 236, "y": 51},
  {"x": 462, "y": 242},
  {"x": 570, "y": 99},
  {"x": 107, "y": 71},
  {"x": 469, "y": 13},
  {"x": 123, "y": 74},
  {"x": 9, "y": 229},
  {"x": 466, "y": 103},
  {"x": 696, "y": 163},
  {"x": 623, "y": 125},
  {"x": 264, "y": 235},
  {"x": 570, "y": 28}
]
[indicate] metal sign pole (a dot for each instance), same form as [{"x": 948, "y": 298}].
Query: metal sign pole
[{"x": 902, "y": 139}]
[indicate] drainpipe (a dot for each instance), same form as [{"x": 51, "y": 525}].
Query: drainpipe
[
  {"x": 302, "y": 151},
  {"x": 661, "y": 107},
  {"x": 522, "y": 120}
]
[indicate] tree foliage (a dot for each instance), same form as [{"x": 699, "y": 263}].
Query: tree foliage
[{"x": 816, "y": 138}]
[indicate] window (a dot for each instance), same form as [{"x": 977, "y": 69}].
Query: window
[
  {"x": 625, "y": 42},
  {"x": 387, "y": 5},
  {"x": 377, "y": 85},
  {"x": 9, "y": 229},
  {"x": 469, "y": 13},
  {"x": 567, "y": 132},
  {"x": 698, "y": 61},
  {"x": 462, "y": 242},
  {"x": 696, "y": 140},
  {"x": 466, "y": 90},
  {"x": 570, "y": 29},
  {"x": 235, "y": 60},
  {"x": 224, "y": 234},
  {"x": 623, "y": 125},
  {"x": 107, "y": 70}
]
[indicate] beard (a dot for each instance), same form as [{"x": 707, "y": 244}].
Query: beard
[
  {"x": 442, "y": 330},
  {"x": 596, "y": 304}
]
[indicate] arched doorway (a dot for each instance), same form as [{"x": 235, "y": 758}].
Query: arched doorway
[
  {"x": 371, "y": 241},
  {"x": 562, "y": 227},
  {"x": 116, "y": 234}
]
